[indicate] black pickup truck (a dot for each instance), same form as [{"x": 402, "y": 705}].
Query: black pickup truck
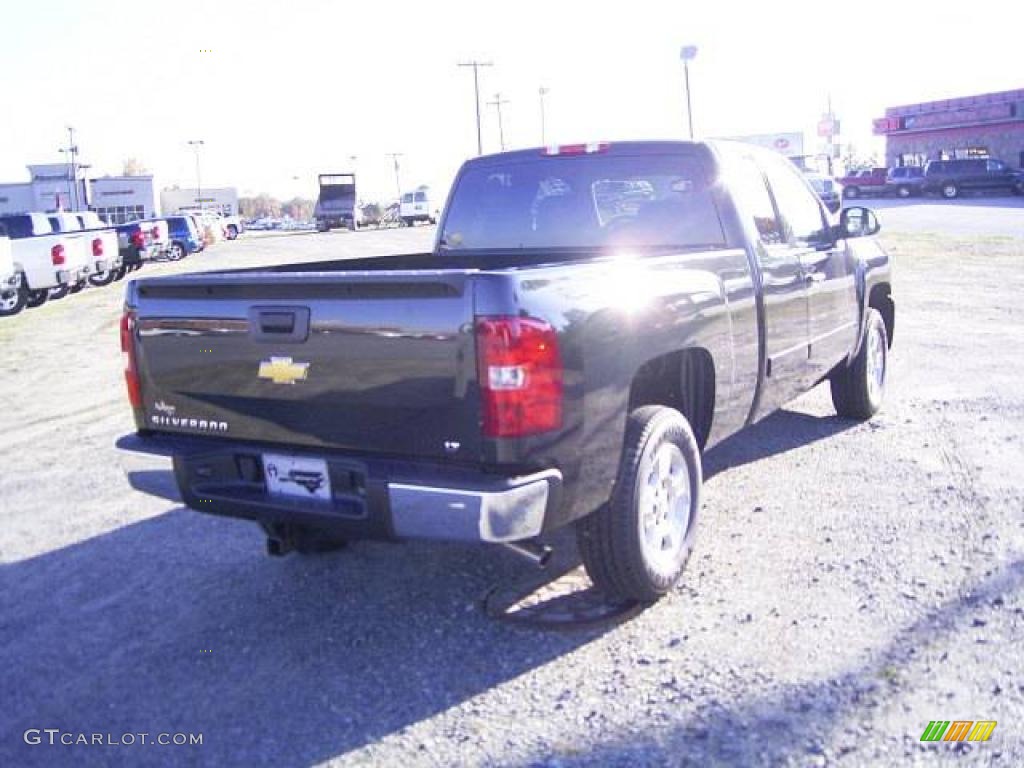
[{"x": 591, "y": 319}]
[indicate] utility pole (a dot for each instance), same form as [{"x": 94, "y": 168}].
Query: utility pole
[
  {"x": 498, "y": 101},
  {"x": 72, "y": 152},
  {"x": 398, "y": 184},
  {"x": 543, "y": 133},
  {"x": 196, "y": 144},
  {"x": 688, "y": 54},
  {"x": 476, "y": 92}
]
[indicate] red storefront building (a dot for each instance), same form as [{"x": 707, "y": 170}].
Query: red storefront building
[{"x": 990, "y": 125}]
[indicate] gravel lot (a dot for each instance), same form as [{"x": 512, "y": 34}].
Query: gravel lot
[{"x": 850, "y": 582}]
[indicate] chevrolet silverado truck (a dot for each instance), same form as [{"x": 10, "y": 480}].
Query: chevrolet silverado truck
[
  {"x": 590, "y": 320},
  {"x": 51, "y": 263},
  {"x": 105, "y": 248}
]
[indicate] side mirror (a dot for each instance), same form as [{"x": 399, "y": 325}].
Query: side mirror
[{"x": 858, "y": 222}]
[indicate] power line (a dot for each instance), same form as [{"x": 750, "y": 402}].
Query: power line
[{"x": 476, "y": 93}]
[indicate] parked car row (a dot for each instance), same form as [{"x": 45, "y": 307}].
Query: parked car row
[
  {"x": 46, "y": 256},
  {"x": 948, "y": 178}
]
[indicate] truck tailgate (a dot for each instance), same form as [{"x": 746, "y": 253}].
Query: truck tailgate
[{"x": 371, "y": 362}]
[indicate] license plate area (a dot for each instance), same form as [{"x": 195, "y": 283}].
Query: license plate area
[{"x": 297, "y": 477}]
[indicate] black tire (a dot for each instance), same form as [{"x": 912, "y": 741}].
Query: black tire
[
  {"x": 903, "y": 191},
  {"x": 949, "y": 190},
  {"x": 103, "y": 278},
  {"x": 37, "y": 298},
  {"x": 120, "y": 272},
  {"x": 851, "y": 192},
  {"x": 858, "y": 389},
  {"x": 611, "y": 541},
  {"x": 14, "y": 302},
  {"x": 176, "y": 252},
  {"x": 78, "y": 287},
  {"x": 59, "y": 292}
]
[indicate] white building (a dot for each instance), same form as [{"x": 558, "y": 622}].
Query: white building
[
  {"x": 116, "y": 199},
  {"x": 221, "y": 199}
]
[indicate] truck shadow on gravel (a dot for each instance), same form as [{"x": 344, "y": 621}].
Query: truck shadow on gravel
[
  {"x": 180, "y": 623},
  {"x": 804, "y": 724}
]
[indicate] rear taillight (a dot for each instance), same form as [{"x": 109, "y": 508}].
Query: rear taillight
[
  {"x": 155, "y": 232},
  {"x": 138, "y": 239},
  {"x": 131, "y": 370},
  {"x": 97, "y": 247},
  {"x": 57, "y": 255},
  {"x": 520, "y": 372}
]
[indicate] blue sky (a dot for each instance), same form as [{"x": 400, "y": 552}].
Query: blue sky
[{"x": 291, "y": 89}]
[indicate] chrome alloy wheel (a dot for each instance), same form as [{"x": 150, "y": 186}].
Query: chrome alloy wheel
[{"x": 665, "y": 508}]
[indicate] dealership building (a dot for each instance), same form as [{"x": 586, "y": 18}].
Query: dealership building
[
  {"x": 53, "y": 187},
  {"x": 989, "y": 125}
]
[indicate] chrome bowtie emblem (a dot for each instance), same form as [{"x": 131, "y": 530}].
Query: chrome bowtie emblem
[{"x": 282, "y": 370}]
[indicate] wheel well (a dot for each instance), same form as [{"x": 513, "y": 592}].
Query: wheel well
[
  {"x": 684, "y": 380},
  {"x": 881, "y": 299}
]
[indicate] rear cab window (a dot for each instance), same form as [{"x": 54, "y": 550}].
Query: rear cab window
[{"x": 586, "y": 202}]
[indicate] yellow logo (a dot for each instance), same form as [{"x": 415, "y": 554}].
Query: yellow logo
[{"x": 283, "y": 370}]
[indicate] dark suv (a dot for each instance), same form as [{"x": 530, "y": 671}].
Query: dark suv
[
  {"x": 951, "y": 177},
  {"x": 905, "y": 181}
]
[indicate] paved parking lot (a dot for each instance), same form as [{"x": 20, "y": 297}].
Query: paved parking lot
[
  {"x": 851, "y": 582},
  {"x": 967, "y": 216}
]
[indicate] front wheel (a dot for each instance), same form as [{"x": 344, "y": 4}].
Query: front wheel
[
  {"x": 176, "y": 252},
  {"x": 858, "y": 388},
  {"x": 950, "y": 190},
  {"x": 636, "y": 545}
]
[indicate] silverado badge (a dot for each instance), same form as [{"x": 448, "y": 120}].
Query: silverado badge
[{"x": 283, "y": 370}]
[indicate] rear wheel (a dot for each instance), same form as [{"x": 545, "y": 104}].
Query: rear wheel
[
  {"x": 59, "y": 292},
  {"x": 78, "y": 287},
  {"x": 13, "y": 302},
  {"x": 37, "y": 298},
  {"x": 903, "y": 190},
  {"x": 950, "y": 190},
  {"x": 859, "y": 388},
  {"x": 120, "y": 272},
  {"x": 636, "y": 546},
  {"x": 103, "y": 278},
  {"x": 176, "y": 252}
]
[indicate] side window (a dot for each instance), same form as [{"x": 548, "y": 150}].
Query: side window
[
  {"x": 407, "y": 198},
  {"x": 800, "y": 210},
  {"x": 421, "y": 197},
  {"x": 996, "y": 165},
  {"x": 750, "y": 191}
]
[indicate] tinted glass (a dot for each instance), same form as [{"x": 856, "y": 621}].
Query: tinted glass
[
  {"x": 407, "y": 198},
  {"x": 18, "y": 226},
  {"x": 798, "y": 206},
  {"x": 584, "y": 202},
  {"x": 421, "y": 197},
  {"x": 748, "y": 187}
]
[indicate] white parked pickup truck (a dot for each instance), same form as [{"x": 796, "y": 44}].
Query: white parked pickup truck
[
  {"x": 12, "y": 297},
  {"x": 50, "y": 262},
  {"x": 104, "y": 248},
  {"x": 89, "y": 244}
]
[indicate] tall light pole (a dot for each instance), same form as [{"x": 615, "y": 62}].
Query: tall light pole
[
  {"x": 476, "y": 92},
  {"x": 688, "y": 54},
  {"x": 72, "y": 152},
  {"x": 497, "y": 103},
  {"x": 196, "y": 144},
  {"x": 398, "y": 184},
  {"x": 542, "y": 92}
]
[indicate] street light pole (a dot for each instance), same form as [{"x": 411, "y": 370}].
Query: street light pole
[
  {"x": 542, "y": 91},
  {"x": 398, "y": 184},
  {"x": 688, "y": 54},
  {"x": 72, "y": 153},
  {"x": 476, "y": 91},
  {"x": 196, "y": 144},
  {"x": 498, "y": 101}
]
